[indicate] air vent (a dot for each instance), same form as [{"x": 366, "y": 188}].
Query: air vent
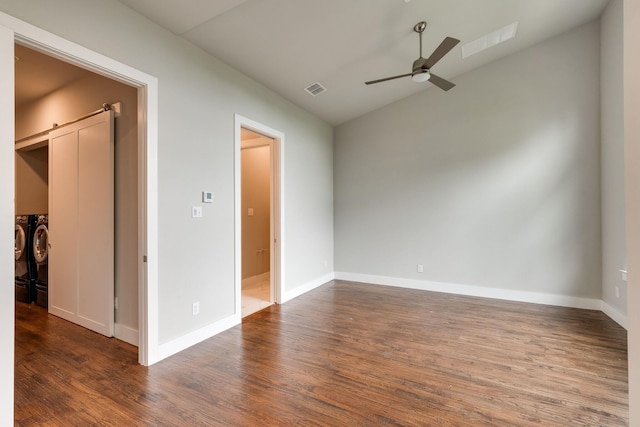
[
  {"x": 489, "y": 40},
  {"x": 315, "y": 89}
]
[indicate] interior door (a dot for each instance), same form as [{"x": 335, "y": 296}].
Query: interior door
[{"x": 81, "y": 223}]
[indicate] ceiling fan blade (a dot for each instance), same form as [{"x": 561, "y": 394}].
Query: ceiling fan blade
[
  {"x": 440, "y": 82},
  {"x": 387, "y": 78},
  {"x": 447, "y": 44}
]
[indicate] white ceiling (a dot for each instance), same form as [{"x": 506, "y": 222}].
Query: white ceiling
[{"x": 289, "y": 44}]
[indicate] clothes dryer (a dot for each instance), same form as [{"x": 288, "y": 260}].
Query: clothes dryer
[
  {"x": 40, "y": 249},
  {"x": 24, "y": 262}
]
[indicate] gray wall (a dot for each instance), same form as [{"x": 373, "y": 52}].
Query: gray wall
[
  {"x": 612, "y": 159},
  {"x": 198, "y": 97},
  {"x": 493, "y": 184}
]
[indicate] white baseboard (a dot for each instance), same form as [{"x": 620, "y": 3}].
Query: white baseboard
[
  {"x": 126, "y": 334},
  {"x": 614, "y": 314},
  {"x": 476, "y": 291},
  {"x": 177, "y": 345},
  {"x": 468, "y": 290},
  {"x": 303, "y": 289},
  {"x": 253, "y": 280}
]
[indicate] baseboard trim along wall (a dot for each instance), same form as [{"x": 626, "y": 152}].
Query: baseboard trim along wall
[
  {"x": 309, "y": 286},
  {"x": 249, "y": 281},
  {"x": 484, "y": 292},
  {"x": 126, "y": 334},
  {"x": 177, "y": 345},
  {"x": 182, "y": 343},
  {"x": 614, "y": 314}
]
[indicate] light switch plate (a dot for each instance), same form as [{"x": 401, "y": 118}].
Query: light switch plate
[{"x": 196, "y": 212}]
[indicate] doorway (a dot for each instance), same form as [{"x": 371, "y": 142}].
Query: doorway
[
  {"x": 256, "y": 178},
  {"x": 259, "y": 232},
  {"x": 146, "y": 93},
  {"x": 42, "y": 81}
]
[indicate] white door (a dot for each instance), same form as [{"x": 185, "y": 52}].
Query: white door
[{"x": 81, "y": 223}]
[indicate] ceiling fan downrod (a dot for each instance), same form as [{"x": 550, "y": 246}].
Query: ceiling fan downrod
[{"x": 419, "y": 28}]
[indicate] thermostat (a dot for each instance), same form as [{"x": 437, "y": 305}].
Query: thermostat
[{"x": 207, "y": 197}]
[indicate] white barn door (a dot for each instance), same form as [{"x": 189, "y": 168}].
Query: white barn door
[{"x": 81, "y": 223}]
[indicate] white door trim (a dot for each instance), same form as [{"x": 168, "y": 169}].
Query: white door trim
[
  {"x": 277, "y": 206},
  {"x": 7, "y": 219},
  {"x": 147, "y": 85}
]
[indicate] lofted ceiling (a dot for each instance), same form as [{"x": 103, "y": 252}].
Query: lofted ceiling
[{"x": 288, "y": 45}]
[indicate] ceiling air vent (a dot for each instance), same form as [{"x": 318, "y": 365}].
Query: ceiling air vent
[
  {"x": 490, "y": 40},
  {"x": 315, "y": 89}
]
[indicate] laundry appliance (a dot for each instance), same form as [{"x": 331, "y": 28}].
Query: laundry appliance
[
  {"x": 24, "y": 262},
  {"x": 40, "y": 248}
]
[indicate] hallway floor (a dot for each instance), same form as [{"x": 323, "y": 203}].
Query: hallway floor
[{"x": 255, "y": 297}]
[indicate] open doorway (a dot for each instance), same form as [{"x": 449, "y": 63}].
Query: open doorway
[
  {"x": 49, "y": 93},
  {"x": 259, "y": 233},
  {"x": 144, "y": 185},
  {"x": 256, "y": 194}
]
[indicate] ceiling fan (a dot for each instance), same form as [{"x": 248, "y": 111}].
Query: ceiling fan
[{"x": 421, "y": 70}]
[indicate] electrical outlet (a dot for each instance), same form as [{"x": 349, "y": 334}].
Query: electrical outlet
[
  {"x": 420, "y": 268},
  {"x": 196, "y": 308},
  {"x": 623, "y": 275},
  {"x": 617, "y": 292}
]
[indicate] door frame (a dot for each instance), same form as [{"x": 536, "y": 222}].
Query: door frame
[
  {"x": 147, "y": 88},
  {"x": 277, "y": 209}
]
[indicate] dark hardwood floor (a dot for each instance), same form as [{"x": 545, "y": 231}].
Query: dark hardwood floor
[{"x": 345, "y": 354}]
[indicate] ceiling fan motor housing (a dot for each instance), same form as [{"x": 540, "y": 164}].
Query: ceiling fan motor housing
[{"x": 419, "y": 65}]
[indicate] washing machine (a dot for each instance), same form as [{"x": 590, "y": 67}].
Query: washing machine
[
  {"x": 24, "y": 262},
  {"x": 40, "y": 248}
]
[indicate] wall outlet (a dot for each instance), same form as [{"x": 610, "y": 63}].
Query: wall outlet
[
  {"x": 623, "y": 275},
  {"x": 617, "y": 292},
  {"x": 196, "y": 308},
  {"x": 420, "y": 268}
]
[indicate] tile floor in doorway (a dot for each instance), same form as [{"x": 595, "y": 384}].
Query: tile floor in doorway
[{"x": 255, "y": 297}]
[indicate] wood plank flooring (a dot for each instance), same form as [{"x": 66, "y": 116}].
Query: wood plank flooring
[{"x": 345, "y": 354}]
